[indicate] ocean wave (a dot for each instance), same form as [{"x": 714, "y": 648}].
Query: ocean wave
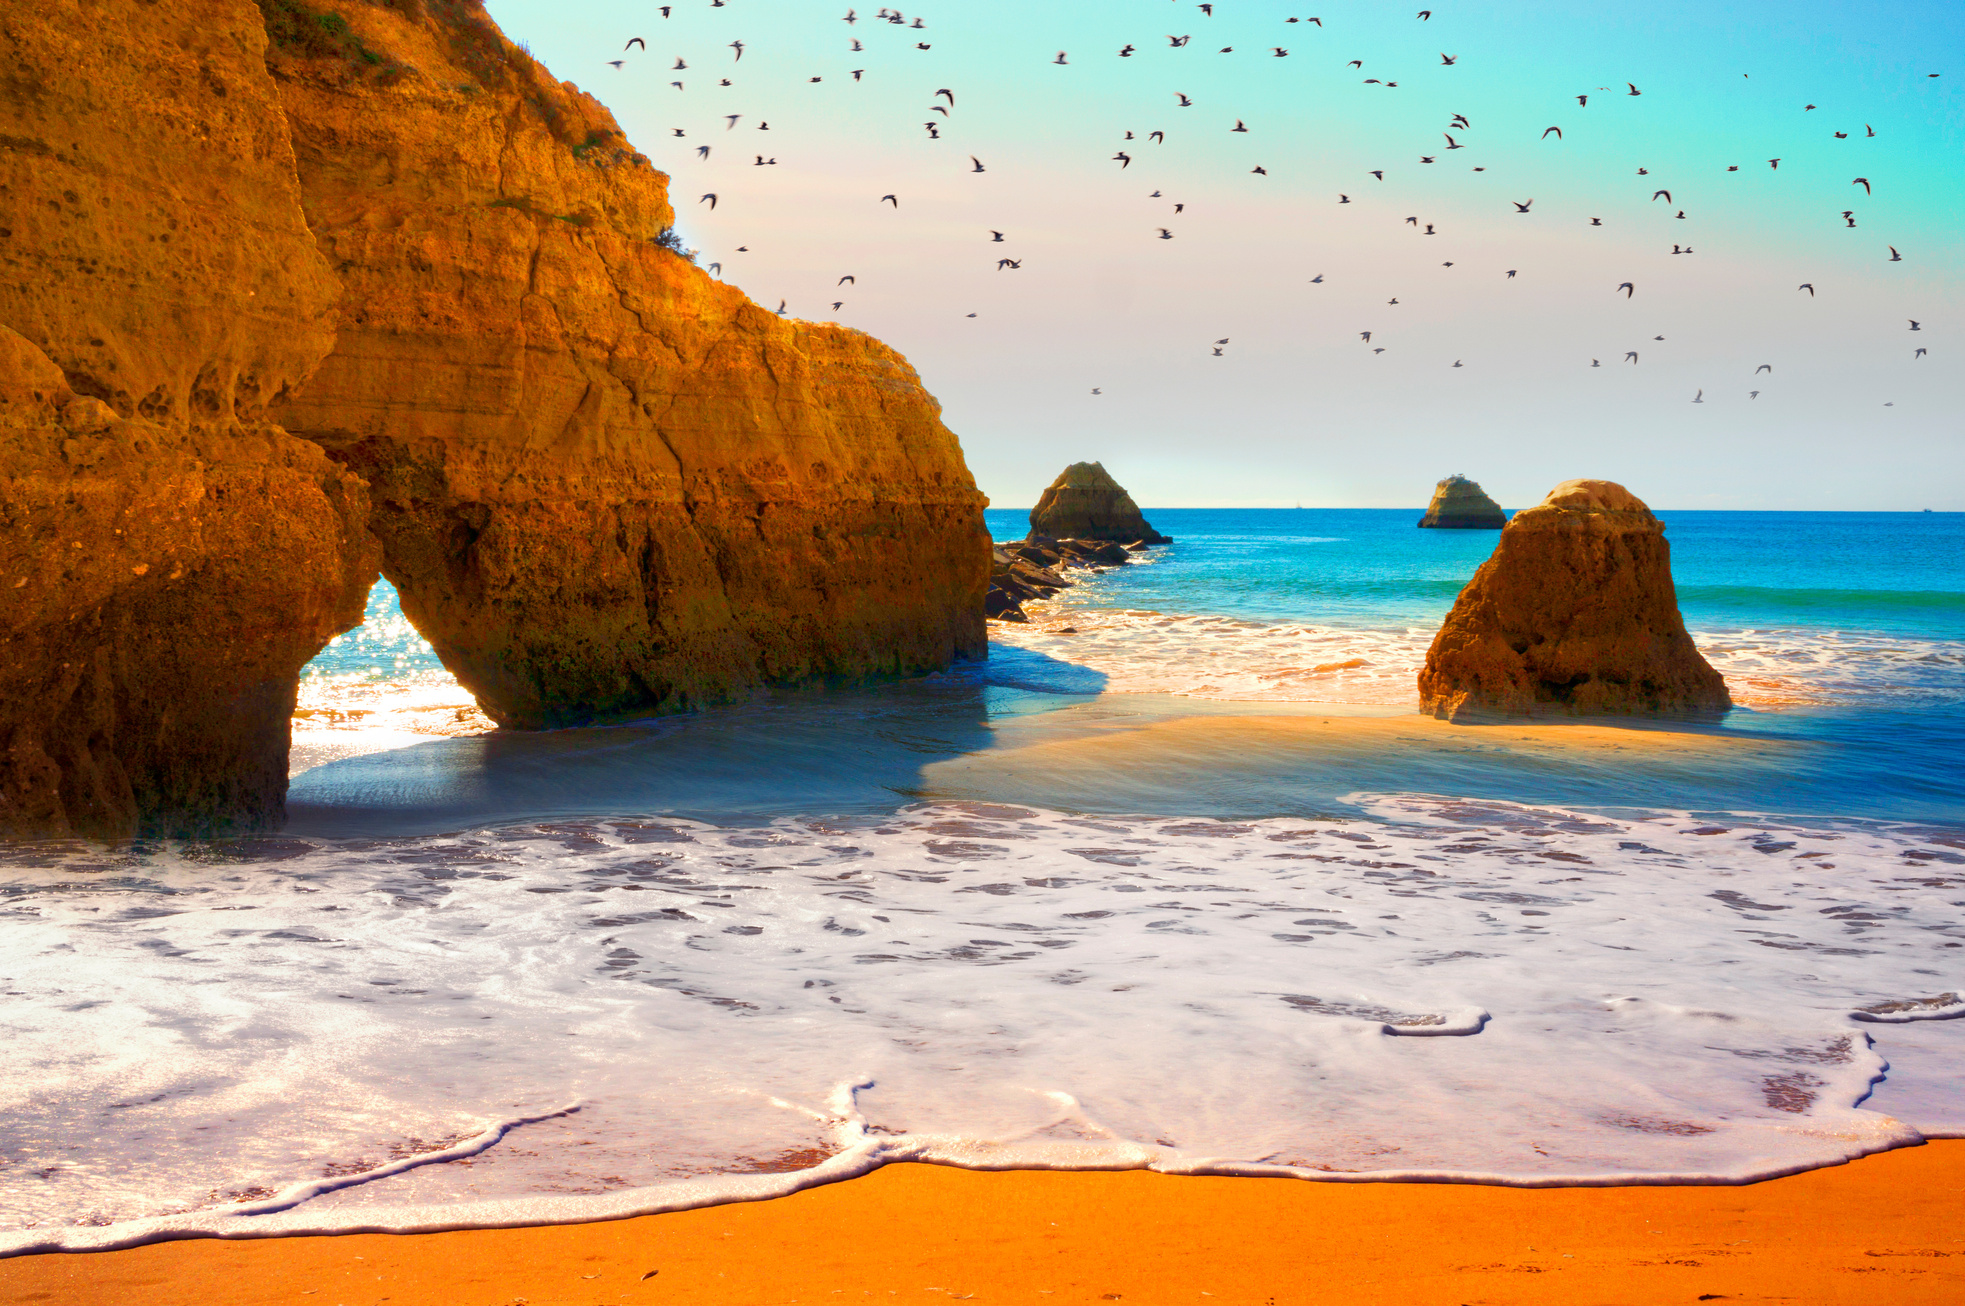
[{"x": 571, "y": 1021}]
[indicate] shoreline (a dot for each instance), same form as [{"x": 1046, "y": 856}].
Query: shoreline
[{"x": 1880, "y": 1228}]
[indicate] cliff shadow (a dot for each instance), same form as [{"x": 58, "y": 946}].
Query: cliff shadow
[{"x": 816, "y": 751}]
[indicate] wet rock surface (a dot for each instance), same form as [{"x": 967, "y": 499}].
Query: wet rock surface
[
  {"x": 1023, "y": 570},
  {"x": 1574, "y": 614}
]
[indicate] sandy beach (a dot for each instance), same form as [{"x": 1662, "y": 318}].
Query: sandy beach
[{"x": 1884, "y": 1229}]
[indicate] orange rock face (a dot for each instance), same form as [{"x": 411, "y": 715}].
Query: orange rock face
[
  {"x": 1574, "y": 613},
  {"x": 606, "y": 483},
  {"x": 169, "y": 557}
]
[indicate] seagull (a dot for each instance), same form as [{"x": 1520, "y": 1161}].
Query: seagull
[
  {"x": 1165, "y": 234},
  {"x": 1630, "y": 355},
  {"x": 781, "y": 308},
  {"x": 1918, "y": 354},
  {"x": 1627, "y": 288},
  {"x": 616, "y": 63},
  {"x": 1060, "y": 58},
  {"x": 636, "y": 40},
  {"x": 1456, "y": 362},
  {"x": 1753, "y": 394},
  {"x": 738, "y": 46},
  {"x": 1595, "y": 363},
  {"x": 1764, "y": 367},
  {"x": 1259, "y": 168},
  {"x": 1699, "y": 398},
  {"x": 1452, "y": 144},
  {"x": 1178, "y": 41},
  {"x": 1365, "y": 336},
  {"x": 1424, "y": 14},
  {"x": 1317, "y": 280},
  {"x": 1185, "y": 103},
  {"x": 1634, "y": 89},
  {"x": 712, "y": 199},
  {"x": 1511, "y": 274},
  {"x": 843, "y": 280},
  {"x": 1447, "y": 60},
  {"x": 1412, "y": 222},
  {"x": 996, "y": 237},
  {"x": 1123, "y": 159},
  {"x": 717, "y": 268},
  {"x": 838, "y": 304},
  {"x": 1393, "y": 300},
  {"x": 679, "y": 66},
  {"x": 950, "y": 94},
  {"x": 888, "y": 199},
  {"x": 1808, "y": 286},
  {"x": 1096, "y": 390},
  {"x": 978, "y": 162},
  {"x": 1238, "y": 127},
  {"x": 1126, "y": 53},
  {"x": 1775, "y": 164},
  {"x": 1002, "y": 263},
  {"x": 1343, "y": 199},
  {"x": 1869, "y": 129},
  {"x": 702, "y": 151},
  {"x": 1895, "y": 257},
  {"x": 1217, "y": 353},
  {"x": 850, "y": 17},
  {"x": 1556, "y": 130},
  {"x": 1157, "y": 137},
  {"x": 1863, "y": 182},
  {"x": 1222, "y": 341},
  {"x": 1520, "y": 207},
  {"x": 1596, "y": 222},
  {"x": 1378, "y": 173},
  {"x": 1656, "y": 193},
  {"x": 731, "y": 120},
  {"x": 1913, "y": 324},
  {"x": 1460, "y": 120},
  {"x": 1582, "y": 101},
  {"x": 1279, "y": 52}
]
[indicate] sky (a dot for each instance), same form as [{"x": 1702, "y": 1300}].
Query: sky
[{"x": 1101, "y": 344}]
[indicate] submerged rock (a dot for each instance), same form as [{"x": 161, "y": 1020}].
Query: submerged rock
[
  {"x": 1574, "y": 613},
  {"x": 1085, "y": 503},
  {"x": 1460, "y": 504}
]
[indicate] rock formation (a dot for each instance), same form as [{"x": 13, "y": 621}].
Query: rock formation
[
  {"x": 1034, "y": 569},
  {"x": 1460, "y": 504},
  {"x": 1085, "y": 503},
  {"x": 1574, "y": 613},
  {"x": 604, "y": 482},
  {"x": 169, "y": 557}
]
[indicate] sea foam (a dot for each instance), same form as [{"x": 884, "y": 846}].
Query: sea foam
[{"x": 573, "y": 1021}]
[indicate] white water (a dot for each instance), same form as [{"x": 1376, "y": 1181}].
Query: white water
[{"x": 197, "y": 1037}]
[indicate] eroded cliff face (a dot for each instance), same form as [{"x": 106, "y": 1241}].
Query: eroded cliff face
[
  {"x": 605, "y": 482},
  {"x": 1461, "y": 504},
  {"x": 1085, "y": 503},
  {"x": 169, "y": 557},
  {"x": 1574, "y": 614}
]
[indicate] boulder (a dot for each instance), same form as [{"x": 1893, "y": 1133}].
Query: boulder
[
  {"x": 1085, "y": 503},
  {"x": 1460, "y": 504},
  {"x": 1574, "y": 614}
]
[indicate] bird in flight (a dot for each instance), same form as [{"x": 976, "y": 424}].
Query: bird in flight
[
  {"x": 1217, "y": 352},
  {"x": 1775, "y": 164},
  {"x": 702, "y": 151},
  {"x": 1556, "y": 130},
  {"x": 731, "y": 120},
  {"x": 1378, "y": 173},
  {"x": 889, "y": 199},
  {"x": 1656, "y": 193},
  {"x": 1165, "y": 234},
  {"x": 1123, "y": 159},
  {"x": 1060, "y": 58},
  {"x": 843, "y": 280},
  {"x": 978, "y": 162},
  {"x": 716, "y": 268},
  {"x": 995, "y": 237},
  {"x": 1583, "y": 101},
  {"x": 850, "y": 17},
  {"x": 1895, "y": 257},
  {"x": 781, "y": 307},
  {"x": 636, "y": 40},
  {"x": 1447, "y": 60},
  {"x": 1753, "y": 394},
  {"x": 1699, "y": 398},
  {"x": 1343, "y": 199},
  {"x": 1365, "y": 336},
  {"x": 738, "y": 46},
  {"x": 1126, "y": 52},
  {"x": 1596, "y": 222},
  {"x": 1238, "y": 127},
  {"x": 1808, "y": 286},
  {"x": 1511, "y": 274},
  {"x": 1521, "y": 207},
  {"x": 1863, "y": 182},
  {"x": 1452, "y": 144},
  {"x": 1185, "y": 103},
  {"x": 1178, "y": 41},
  {"x": 1002, "y": 263},
  {"x": 1456, "y": 362},
  {"x": 711, "y": 198},
  {"x": 1460, "y": 120},
  {"x": 1919, "y": 353},
  {"x": 1280, "y": 52},
  {"x": 1634, "y": 89},
  {"x": 1913, "y": 324},
  {"x": 1260, "y": 169},
  {"x": 615, "y": 63},
  {"x": 950, "y": 94},
  {"x": 1630, "y": 356},
  {"x": 1764, "y": 367},
  {"x": 1317, "y": 280},
  {"x": 1096, "y": 390},
  {"x": 1628, "y": 288}
]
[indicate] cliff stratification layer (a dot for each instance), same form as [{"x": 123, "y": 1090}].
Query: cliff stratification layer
[
  {"x": 1575, "y": 613},
  {"x": 1085, "y": 503},
  {"x": 169, "y": 557},
  {"x": 1461, "y": 504},
  {"x": 605, "y": 482}
]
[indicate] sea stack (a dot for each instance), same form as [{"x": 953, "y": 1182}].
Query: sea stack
[
  {"x": 1085, "y": 503},
  {"x": 1574, "y": 614},
  {"x": 1460, "y": 504}
]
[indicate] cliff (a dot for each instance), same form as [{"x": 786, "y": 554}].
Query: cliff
[
  {"x": 604, "y": 483},
  {"x": 1461, "y": 504},
  {"x": 1085, "y": 503},
  {"x": 1575, "y": 613},
  {"x": 169, "y": 557}
]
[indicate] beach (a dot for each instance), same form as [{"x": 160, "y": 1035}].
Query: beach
[{"x": 1881, "y": 1229}]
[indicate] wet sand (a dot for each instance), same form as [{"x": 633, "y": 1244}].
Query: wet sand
[{"x": 1884, "y": 1229}]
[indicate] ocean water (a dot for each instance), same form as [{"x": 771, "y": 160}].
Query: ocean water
[{"x": 1177, "y": 879}]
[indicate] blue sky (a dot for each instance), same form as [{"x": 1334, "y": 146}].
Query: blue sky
[{"x": 1298, "y": 407}]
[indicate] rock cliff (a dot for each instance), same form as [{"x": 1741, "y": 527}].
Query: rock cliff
[
  {"x": 1574, "y": 613},
  {"x": 169, "y": 557},
  {"x": 1085, "y": 503},
  {"x": 1461, "y": 504},
  {"x": 604, "y": 482}
]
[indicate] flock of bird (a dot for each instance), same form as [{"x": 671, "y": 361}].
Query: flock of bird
[{"x": 1457, "y": 127}]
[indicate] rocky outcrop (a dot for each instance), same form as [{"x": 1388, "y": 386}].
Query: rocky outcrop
[
  {"x": 1085, "y": 503},
  {"x": 1460, "y": 504},
  {"x": 169, "y": 557},
  {"x": 1023, "y": 570},
  {"x": 1575, "y": 614},
  {"x": 605, "y": 482}
]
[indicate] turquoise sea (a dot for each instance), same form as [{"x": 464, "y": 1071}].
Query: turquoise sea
[{"x": 1176, "y": 879}]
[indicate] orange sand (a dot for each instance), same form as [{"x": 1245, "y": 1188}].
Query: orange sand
[{"x": 1888, "y": 1229}]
